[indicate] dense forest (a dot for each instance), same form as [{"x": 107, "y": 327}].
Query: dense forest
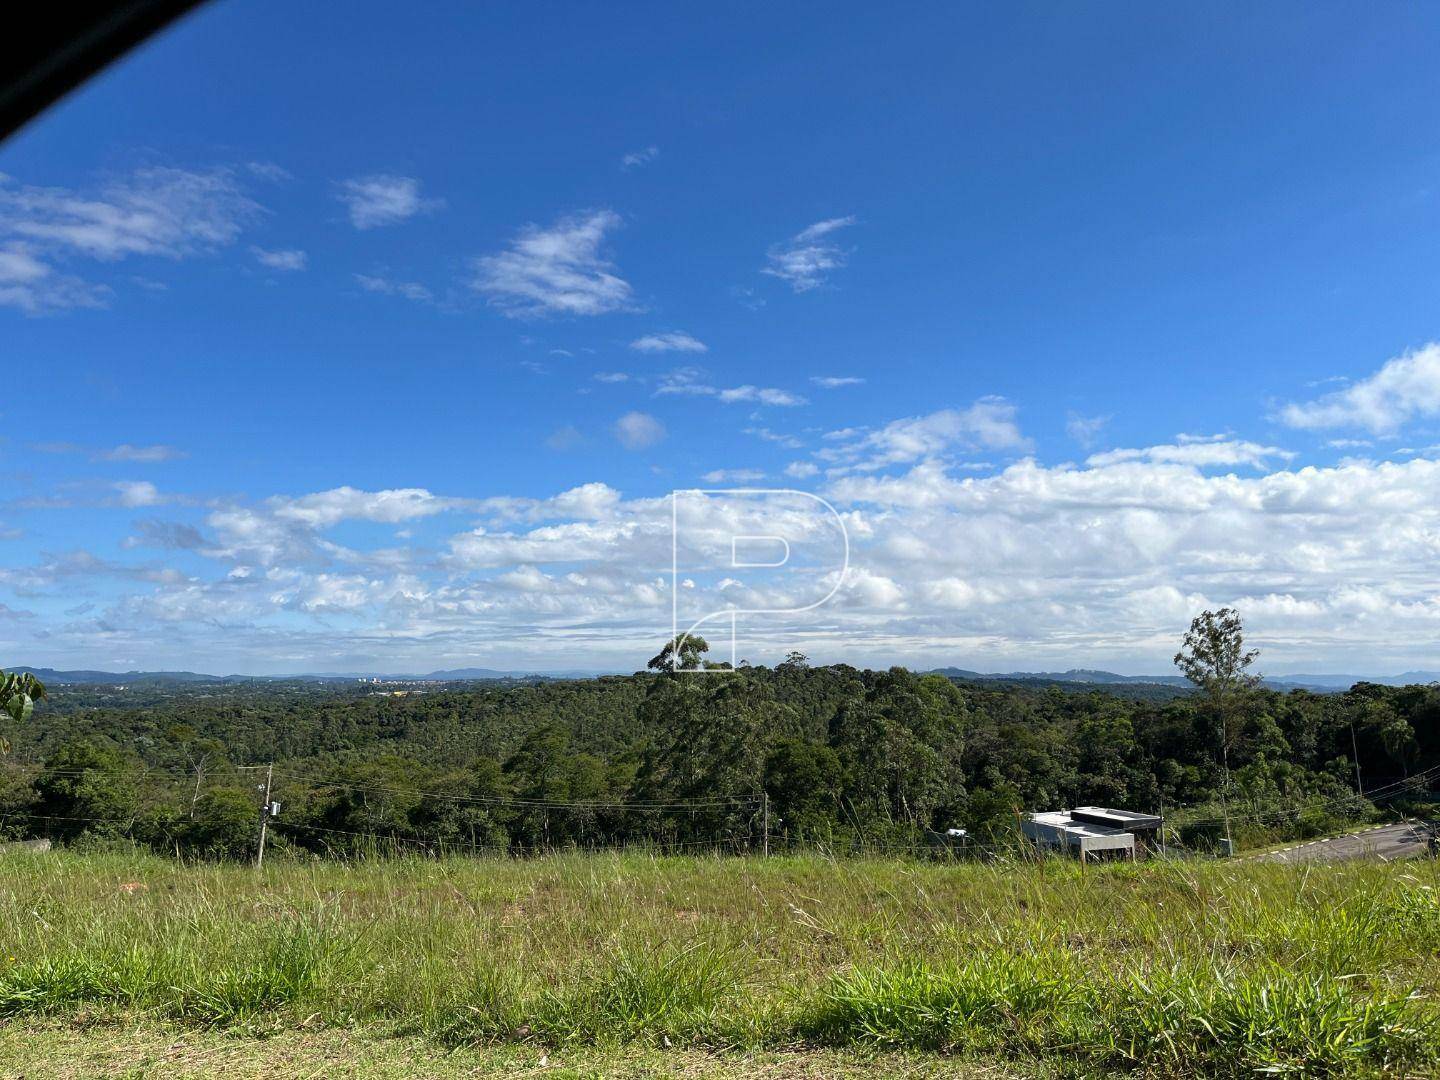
[{"x": 800, "y": 754}]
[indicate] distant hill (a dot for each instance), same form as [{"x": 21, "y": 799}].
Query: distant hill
[
  {"x": 1071, "y": 677},
  {"x": 1322, "y": 683},
  {"x": 90, "y": 678},
  {"x": 50, "y": 675},
  {"x": 1344, "y": 682},
  {"x": 1074, "y": 675}
]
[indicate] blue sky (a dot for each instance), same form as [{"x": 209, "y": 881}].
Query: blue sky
[{"x": 1082, "y": 317}]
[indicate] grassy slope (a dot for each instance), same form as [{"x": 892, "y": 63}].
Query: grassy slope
[
  {"x": 55, "y": 1051},
  {"x": 604, "y": 960}
]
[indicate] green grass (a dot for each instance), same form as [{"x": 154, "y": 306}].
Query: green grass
[{"x": 1162, "y": 969}]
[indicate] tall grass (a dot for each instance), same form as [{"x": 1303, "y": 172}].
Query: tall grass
[{"x": 1163, "y": 968}]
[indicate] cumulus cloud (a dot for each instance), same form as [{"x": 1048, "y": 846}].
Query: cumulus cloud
[
  {"x": 638, "y": 430},
  {"x": 1405, "y": 388},
  {"x": 1199, "y": 453},
  {"x": 282, "y": 259},
  {"x": 383, "y": 199},
  {"x": 556, "y": 271},
  {"x": 1089, "y": 565},
  {"x": 987, "y": 424},
  {"x": 670, "y": 341},
  {"x": 137, "y": 493},
  {"x": 325, "y": 509},
  {"x": 805, "y": 261}
]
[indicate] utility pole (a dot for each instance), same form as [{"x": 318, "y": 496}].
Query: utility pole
[
  {"x": 264, "y": 815},
  {"x": 765, "y": 822},
  {"x": 1355, "y": 757},
  {"x": 1162, "y": 826},
  {"x": 1225, "y": 791}
]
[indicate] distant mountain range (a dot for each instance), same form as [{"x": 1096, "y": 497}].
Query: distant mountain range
[
  {"x": 51, "y": 675},
  {"x": 1275, "y": 682},
  {"x": 1074, "y": 675}
]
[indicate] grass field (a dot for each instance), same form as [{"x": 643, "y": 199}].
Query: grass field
[{"x": 618, "y": 965}]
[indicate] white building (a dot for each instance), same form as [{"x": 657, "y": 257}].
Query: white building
[{"x": 1088, "y": 830}]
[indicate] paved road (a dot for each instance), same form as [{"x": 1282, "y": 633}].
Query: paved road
[{"x": 1402, "y": 841}]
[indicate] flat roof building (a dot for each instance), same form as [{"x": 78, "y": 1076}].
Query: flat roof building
[
  {"x": 1089, "y": 830},
  {"x": 1116, "y": 819}
]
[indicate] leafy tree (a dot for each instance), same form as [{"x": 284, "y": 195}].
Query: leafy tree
[
  {"x": 803, "y": 781},
  {"x": 1213, "y": 657},
  {"x": 684, "y": 653},
  {"x": 86, "y": 786},
  {"x": 222, "y": 825},
  {"x": 845, "y": 754},
  {"x": 991, "y": 814},
  {"x": 18, "y": 693}
]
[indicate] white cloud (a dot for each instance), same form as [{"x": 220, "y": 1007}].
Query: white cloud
[
  {"x": 325, "y": 509},
  {"x": 670, "y": 341},
  {"x": 28, "y": 283},
  {"x": 691, "y": 382},
  {"x": 834, "y": 382},
  {"x": 146, "y": 454},
  {"x": 410, "y": 290},
  {"x": 637, "y": 430},
  {"x": 1405, "y": 388},
  {"x": 556, "y": 271},
  {"x": 611, "y": 377},
  {"x": 383, "y": 199},
  {"x": 1198, "y": 453},
  {"x": 637, "y": 158},
  {"x": 765, "y": 395},
  {"x": 733, "y": 476},
  {"x": 1085, "y": 429},
  {"x": 565, "y": 438},
  {"x": 779, "y": 438},
  {"x": 154, "y": 211},
  {"x": 1095, "y": 565},
  {"x": 137, "y": 493},
  {"x": 987, "y": 424},
  {"x": 288, "y": 260},
  {"x": 157, "y": 212},
  {"x": 802, "y": 470},
  {"x": 806, "y": 259}
]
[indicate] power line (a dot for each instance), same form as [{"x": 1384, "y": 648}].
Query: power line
[
  {"x": 548, "y": 804},
  {"x": 490, "y": 800}
]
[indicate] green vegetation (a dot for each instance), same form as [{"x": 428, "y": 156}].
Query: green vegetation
[
  {"x": 18, "y": 694},
  {"x": 851, "y": 761},
  {"x": 1166, "y": 968}
]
